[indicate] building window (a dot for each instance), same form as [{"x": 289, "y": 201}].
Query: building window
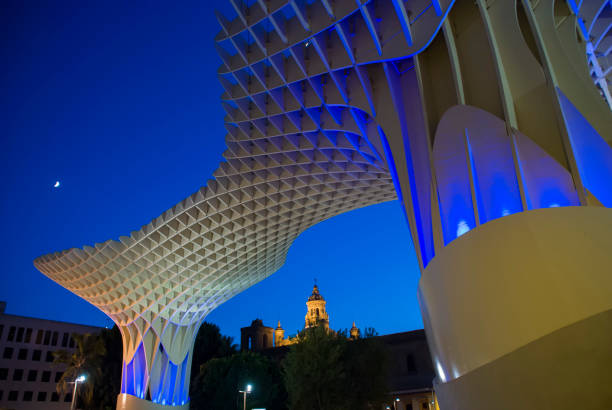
[
  {"x": 1, "y": 330},
  {"x": 410, "y": 364},
  {"x": 28, "y": 335},
  {"x": 408, "y": 406},
  {"x": 12, "y": 396},
  {"x": 49, "y": 357},
  {"x": 20, "y": 334},
  {"x": 58, "y": 376},
  {"x": 27, "y": 395},
  {"x": 54, "y": 396},
  {"x": 3, "y": 373},
  {"x": 425, "y": 406},
  {"x": 46, "y": 376},
  {"x": 11, "y": 336},
  {"x": 42, "y": 396},
  {"x": 36, "y": 355},
  {"x": 17, "y": 375},
  {"x": 32, "y": 375},
  {"x": 8, "y": 353},
  {"x": 47, "y": 338},
  {"x": 23, "y": 354},
  {"x": 39, "y": 337},
  {"x": 71, "y": 342},
  {"x": 65, "y": 339},
  {"x": 1, "y": 394},
  {"x": 54, "y": 339},
  {"x": 68, "y": 397}
]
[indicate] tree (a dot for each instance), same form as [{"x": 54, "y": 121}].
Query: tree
[
  {"x": 209, "y": 344},
  {"x": 107, "y": 385},
  {"x": 366, "y": 362},
  {"x": 326, "y": 371},
  {"x": 217, "y": 385},
  {"x": 85, "y": 360}
]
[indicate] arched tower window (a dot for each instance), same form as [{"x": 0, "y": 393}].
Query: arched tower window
[{"x": 265, "y": 341}]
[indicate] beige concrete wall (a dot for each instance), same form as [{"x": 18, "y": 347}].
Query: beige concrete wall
[
  {"x": 567, "y": 369},
  {"x": 514, "y": 280}
]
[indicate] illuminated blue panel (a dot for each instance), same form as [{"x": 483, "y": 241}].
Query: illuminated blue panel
[
  {"x": 134, "y": 378},
  {"x": 546, "y": 182},
  {"x": 593, "y": 155},
  {"x": 416, "y": 150},
  {"x": 157, "y": 392},
  {"x": 182, "y": 390},
  {"x": 495, "y": 180},
  {"x": 455, "y": 196},
  {"x": 165, "y": 388},
  {"x": 171, "y": 385},
  {"x": 127, "y": 382},
  {"x": 140, "y": 372}
]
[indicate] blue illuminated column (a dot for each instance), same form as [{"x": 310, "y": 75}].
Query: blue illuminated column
[{"x": 156, "y": 365}]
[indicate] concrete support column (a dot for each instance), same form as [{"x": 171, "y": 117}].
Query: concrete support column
[{"x": 518, "y": 312}]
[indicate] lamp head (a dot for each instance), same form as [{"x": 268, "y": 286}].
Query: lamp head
[
  {"x": 81, "y": 378},
  {"x": 249, "y": 388}
]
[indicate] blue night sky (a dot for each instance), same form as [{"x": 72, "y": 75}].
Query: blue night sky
[{"x": 119, "y": 101}]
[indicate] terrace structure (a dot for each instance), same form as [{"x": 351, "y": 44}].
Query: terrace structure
[{"x": 481, "y": 117}]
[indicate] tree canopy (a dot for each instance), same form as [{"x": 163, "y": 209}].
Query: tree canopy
[
  {"x": 83, "y": 361},
  {"x": 209, "y": 344},
  {"x": 326, "y": 371},
  {"x": 217, "y": 385}
]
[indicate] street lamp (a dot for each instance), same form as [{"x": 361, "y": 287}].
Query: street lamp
[
  {"x": 244, "y": 392},
  {"x": 76, "y": 382},
  {"x": 395, "y": 403}
]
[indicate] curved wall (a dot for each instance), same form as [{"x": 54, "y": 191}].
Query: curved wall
[{"x": 513, "y": 281}]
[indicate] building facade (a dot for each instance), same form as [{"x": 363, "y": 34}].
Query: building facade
[
  {"x": 27, "y": 374},
  {"x": 257, "y": 336}
]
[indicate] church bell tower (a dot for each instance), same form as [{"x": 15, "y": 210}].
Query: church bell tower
[{"x": 316, "y": 314}]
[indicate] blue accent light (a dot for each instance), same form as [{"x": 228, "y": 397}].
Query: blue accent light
[
  {"x": 426, "y": 248},
  {"x": 460, "y": 215},
  {"x": 462, "y": 228},
  {"x": 392, "y": 170}
]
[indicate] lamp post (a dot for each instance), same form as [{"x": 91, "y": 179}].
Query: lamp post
[
  {"x": 76, "y": 381},
  {"x": 395, "y": 403},
  {"x": 244, "y": 392}
]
